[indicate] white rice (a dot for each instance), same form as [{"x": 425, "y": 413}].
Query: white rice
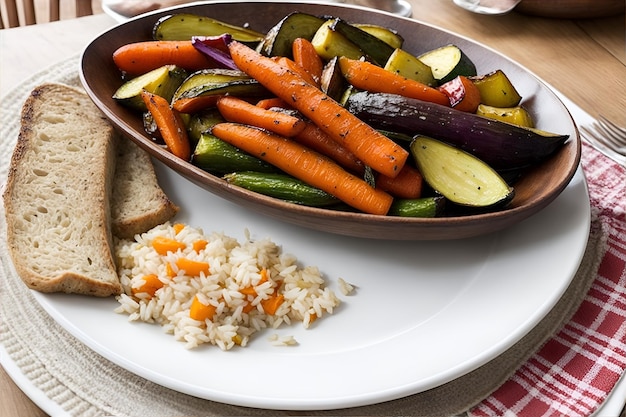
[
  {"x": 233, "y": 267},
  {"x": 345, "y": 287}
]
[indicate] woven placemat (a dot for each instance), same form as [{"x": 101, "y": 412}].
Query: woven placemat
[{"x": 86, "y": 384}]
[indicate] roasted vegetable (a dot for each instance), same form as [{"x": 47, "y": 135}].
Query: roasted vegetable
[
  {"x": 375, "y": 49},
  {"x": 516, "y": 115},
  {"x": 418, "y": 207},
  {"x": 202, "y": 122},
  {"x": 459, "y": 176},
  {"x": 389, "y": 36},
  {"x": 216, "y": 48},
  {"x": 218, "y": 157},
  {"x": 407, "y": 65},
  {"x": 332, "y": 81},
  {"x": 448, "y": 62},
  {"x": 374, "y": 149},
  {"x": 183, "y": 26},
  {"x": 162, "y": 81},
  {"x": 278, "y": 40},
  {"x": 329, "y": 43},
  {"x": 282, "y": 186},
  {"x": 463, "y": 94},
  {"x": 500, "y": 144},
  {"x": 497, "y": 90},
  {"x": 217, "y": 81}
]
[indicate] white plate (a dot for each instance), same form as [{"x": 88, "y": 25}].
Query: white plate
[{"x": 423, "y": 314}]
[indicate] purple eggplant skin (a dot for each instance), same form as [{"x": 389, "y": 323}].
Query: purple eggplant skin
[{"x": 499, "y": 144}]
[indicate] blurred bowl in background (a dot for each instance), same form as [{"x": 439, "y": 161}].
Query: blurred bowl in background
[{"x": 572, "y": 9}]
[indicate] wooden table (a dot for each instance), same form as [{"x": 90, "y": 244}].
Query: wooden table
[{"x": 584, "y": 59}]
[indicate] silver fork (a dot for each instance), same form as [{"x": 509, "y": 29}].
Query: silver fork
[{"x": 607, "y": 136}]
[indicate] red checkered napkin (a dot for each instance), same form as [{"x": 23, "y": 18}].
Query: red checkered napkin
[{"x": 573, "y": 373}]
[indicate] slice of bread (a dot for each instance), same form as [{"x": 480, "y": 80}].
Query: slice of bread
[
  {"x": 138, "y": 203},
  {"x": 57, "y": 195},
  {"x": 72, "y": 183}
]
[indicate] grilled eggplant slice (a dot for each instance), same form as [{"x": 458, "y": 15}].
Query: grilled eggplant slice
[
  {"x": 459, "y": 176},
  {"x": 501, "y": 145}
]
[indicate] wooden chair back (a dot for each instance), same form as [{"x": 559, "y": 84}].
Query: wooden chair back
[{"x": 10, "y": 12}]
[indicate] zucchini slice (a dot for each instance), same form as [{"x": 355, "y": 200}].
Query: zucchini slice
[
  {"x": 419, "y": 207},
  {"x": 282, "y": 186},
  {"x": 215, "y": 81},
  {"x": 218, "y": 157},
  {"x": 408, "y": 66},
  {"x": 163, "y": 81},
  {"x": 459, "y": 176},
  {"x": 279, "y": 39},
  {"x": 329, "y": 43},
  {"x": 448, "y": 62},
  {"x": 202, "y": 122},
  {"x": 182, "y": 26},
  {"x": 389, "y": 36},
  {"x": 375, "y": 49}
]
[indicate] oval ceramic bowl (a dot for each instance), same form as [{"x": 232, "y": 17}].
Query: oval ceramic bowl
[{"x": 534, "y": 191}]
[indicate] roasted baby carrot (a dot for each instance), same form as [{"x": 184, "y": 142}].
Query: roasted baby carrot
[
  {"x": 293, "y": 66},
  {"x": 268, "y": 103},
  {"x": 194, "y": 104},
  {"x": 169, "y": 123},
  {"x": 367, "y": 144},
  {"x": 305, "y": 55},
  {"x": 367, "y": 76},
  {"x": 315, "y": 138},
  {"x": 407, "y": 184},
  {"x": 140, "y": 57},
  {"x": 237, "y": 110},
  {"x": 306, "y": 165}
]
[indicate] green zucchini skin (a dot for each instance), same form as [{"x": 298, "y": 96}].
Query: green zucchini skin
[
  {"x": 426, "y": 207},
  {"x": 217, "y": 81},
  {"x": 499, "y": 144},
  {"x": 282, "y": 186},
  {"x": 279, "y": 39},
  {"x": 375, "y": 49},
  {"x": 183, "y": 26},
  {"x": 218, "y": 157}
]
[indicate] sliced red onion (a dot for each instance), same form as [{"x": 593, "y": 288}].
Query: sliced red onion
[{"x": 216, "y": 48}]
